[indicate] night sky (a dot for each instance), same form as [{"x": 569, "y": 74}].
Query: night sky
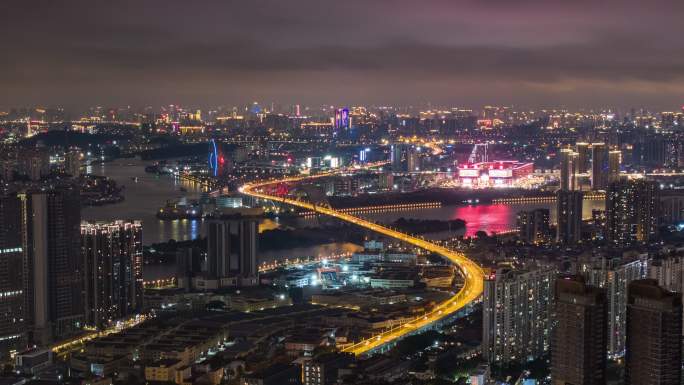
[{"x": 206, "y": 53}]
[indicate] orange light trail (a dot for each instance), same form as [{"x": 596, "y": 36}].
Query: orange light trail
[{"x": 472, "y": 273}]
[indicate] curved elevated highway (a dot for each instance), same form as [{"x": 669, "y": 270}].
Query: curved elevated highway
[{"x": 472, "y": 273}]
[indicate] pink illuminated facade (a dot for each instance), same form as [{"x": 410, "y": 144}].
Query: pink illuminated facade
[{"x": 501, "y": 173}]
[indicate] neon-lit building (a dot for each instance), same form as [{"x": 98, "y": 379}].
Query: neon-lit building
[
  {"x": 497, "y": 173},
  {"x": 341, "y": 121}
]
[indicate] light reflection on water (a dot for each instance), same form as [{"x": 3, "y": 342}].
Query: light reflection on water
[
  {"x": 144, "y": 197},
  {"x": 486, "y": 217}
]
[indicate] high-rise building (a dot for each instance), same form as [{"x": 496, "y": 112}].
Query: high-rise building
[
  {"x": 671, "y": 206},
  {"x": 386, "y": 181},
  {"x": 413, "y": 160},
  {"x": 516, "y": 309},
  {"x": 232, "y": 249},
  {"x": 34, "y": 164},
  {"x": 614, "y": 160},
  {"x": 654, "y": 335},
  {"x": 397, "y": 156},
  {"x": 342, "y": 120},
  {"x": 650, "y": 150},
  {"x": 569, "y": 212},
  {"x": 599, "y": 166},
  {"x": 188, "y": 264},
  {"x": 614, "y": 275},
  {"x": 72, "y": 163},
  {"x": 632, "y": 211},
  {"x": 569, "y": 164},
  {"x": 51, "y": 221},
  {"x": 12, "y": 319},
  {"x": 112, "y": 256},
  {"x": 578, "y": 348},
  {"x": 668, "y": 272},
  {"x": 533, "y": 225},
  {"x": 403, "y": 157},
  {"x": 583, "y": 161}
]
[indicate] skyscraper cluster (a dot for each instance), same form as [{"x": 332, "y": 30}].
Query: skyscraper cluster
[
  {"x": 231, "y": 258},
  {"x": 653, "y": 344},
  {"x": 596, "y": 160},
  {"x": 614, "y": 275},
  {"x": 404, "y": 157},
  {"x": 533, "y": 225},
  {"x": 632, "y": 206},
  {"x": 59, "y": 275}
]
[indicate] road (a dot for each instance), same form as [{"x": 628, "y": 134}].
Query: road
[
  {"x": 65, "y": 348},
  {"x": 471, "y": 271}
]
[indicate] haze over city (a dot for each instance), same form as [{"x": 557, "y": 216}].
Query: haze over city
[
  {"x": 341, "y": 192},
  {"x": 618, "y": 54}
]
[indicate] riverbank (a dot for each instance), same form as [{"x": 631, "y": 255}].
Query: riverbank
[
  {"x": 426, "y": 226},
  {"x": 443, "y": 196}
]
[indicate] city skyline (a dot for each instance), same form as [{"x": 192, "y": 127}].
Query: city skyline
[{"x": 336, "y": 193}]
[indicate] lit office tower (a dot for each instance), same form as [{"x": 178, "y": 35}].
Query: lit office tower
[
  {"x": 533, "y": 225},
  {"x": 12, "y": 326},
  {"x": 569, "y": 162},
  {"x": 412, "y": 160},
  {"x": 599, "y": 166},
  {"x": 614, "y": 159},
  {"x": 569, "y": 212},
  {"x": 583, "y": 161},
  {"x": 112, "y": 255},
  {"x": 578, "y": 346},
  {"x": 654, "y": 335},
  {"x": 403, "y": 157},
  {"x": 341, "y": 121},
  {"x": 54, "y": 267},
  {"x": 396, "y": 156},
  {"x": 516, "y": 315},
  {"x": 232, "y": 249},
  {"x": 632, "y": 212},
  {"x": 614, "y": 274}
]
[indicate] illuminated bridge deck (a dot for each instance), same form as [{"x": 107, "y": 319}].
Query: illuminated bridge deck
[{"x": 472, "y": 273}]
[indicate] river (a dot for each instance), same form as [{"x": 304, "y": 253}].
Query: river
[
  {"x": 144, "y": 197},
  {"x": 491, "y": 218},
  {"x": 142, "y": 200},
  {"x": 145, "y": 193}
]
